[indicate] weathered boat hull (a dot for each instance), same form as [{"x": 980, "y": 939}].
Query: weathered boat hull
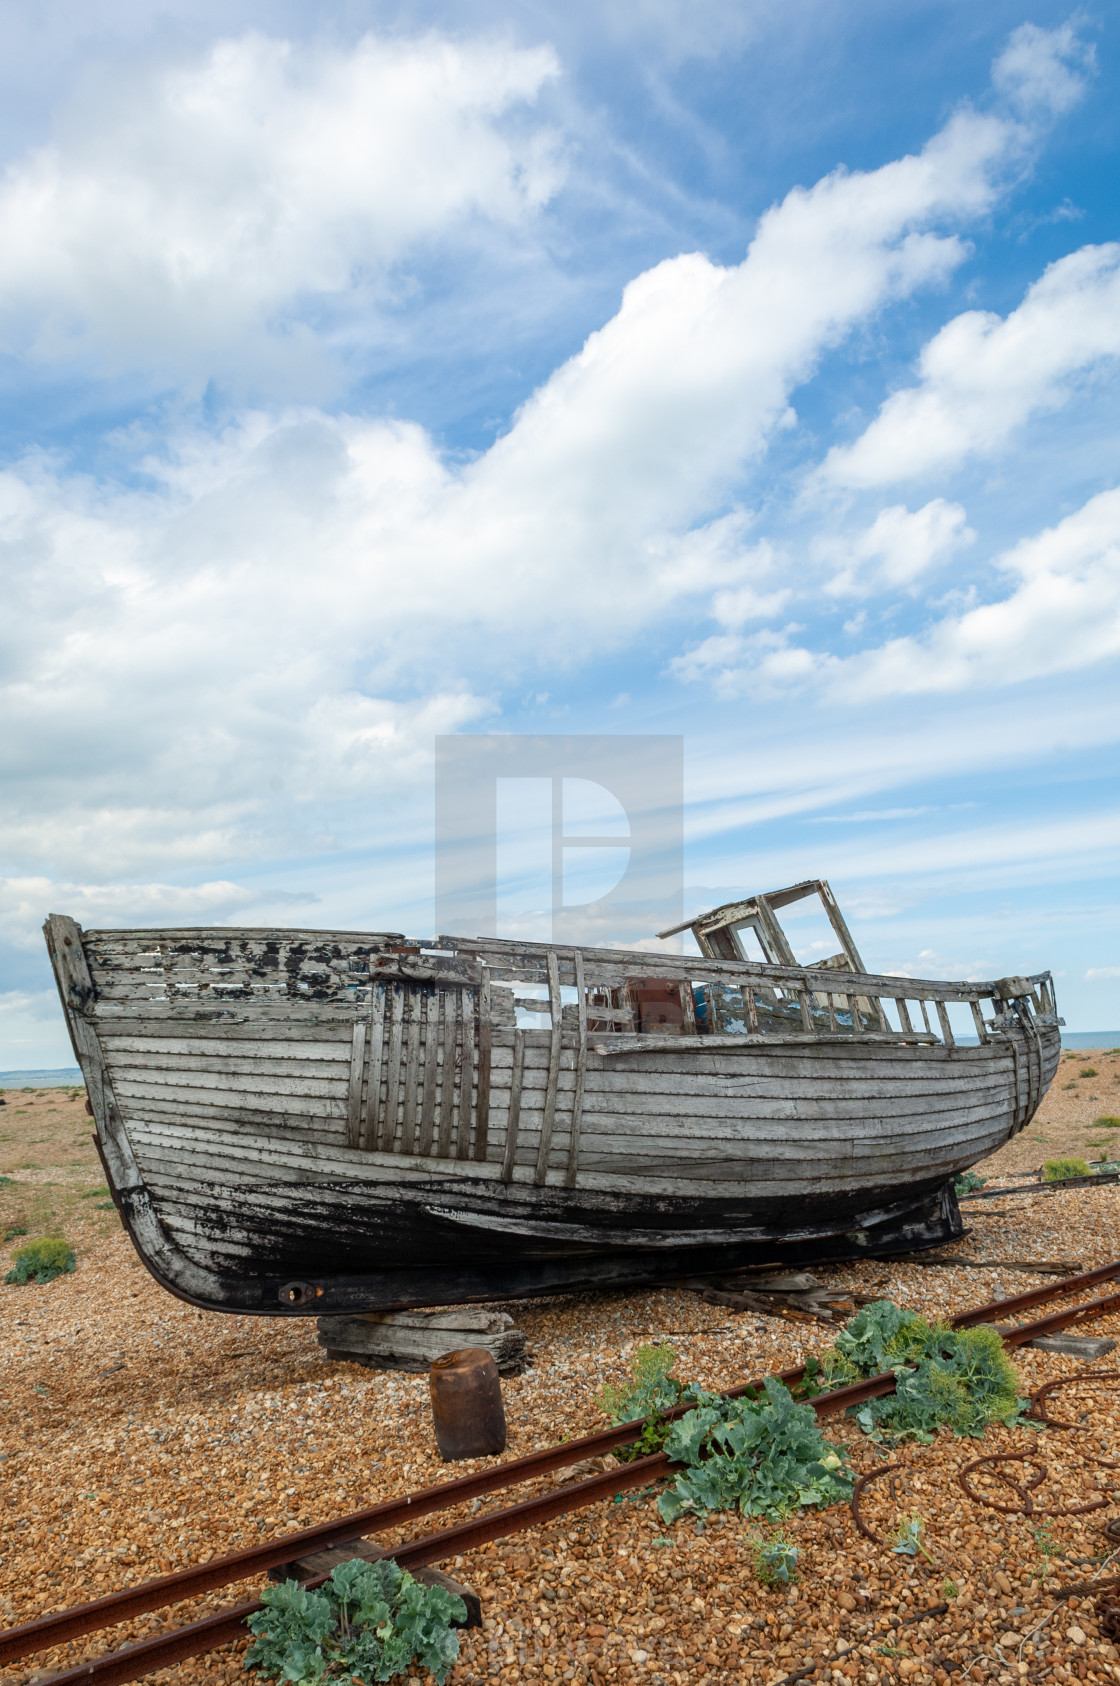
[{"x": 234, "y": 1140}]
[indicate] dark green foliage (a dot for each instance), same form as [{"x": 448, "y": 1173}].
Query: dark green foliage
[
  {"x": 1055, "y": 1170},
  {"x": 42, "y": 1261},
  {"x": 368, "y": 1622},
  {"x": 1107, "y": 1122},
  {"x": 956, "y": 1378},
  {"x": 762, "y": 1457},
  {"x": 7, "y": 1182},
  {"x": 1088, "y": 1071},
  {"x": 10, "y": 1234},
  {"x": 95, "y": 1193},
  {"x": 968, "y": 1182}
]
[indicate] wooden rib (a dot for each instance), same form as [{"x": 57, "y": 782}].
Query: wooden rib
[
  {"x": 806, "y": 1011},
  {"x": 357, "y": 1072},
  {"x": 925, "y": 1017},
  {"x": 581, "y": 1071},
  {"x": 857, "y": 1020},
  {"x": 368, "y": 1136},
  {"x": 548, "y": 1118},
  {"x": 514, "y": 1118},
  {"x": 431, "y": 1070},
  {"x": 466, "y": 1076},
  {"x": 978, "y": 1021},
  {"x": 414, "y": 1002},
  {"x": 903, "y": 1014},
  {"x": 751, "y": 1008},
  {"x": 830, "y": 1002},
  {"x": 392, "y": 1068},
  {"x": 482, "y": 1126},
  {"x": 451, "y": 1001},
  {"x": 946, "y": 1027}
]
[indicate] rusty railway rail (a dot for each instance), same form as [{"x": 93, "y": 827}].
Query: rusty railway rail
[{"x": 163, "y": 1650}]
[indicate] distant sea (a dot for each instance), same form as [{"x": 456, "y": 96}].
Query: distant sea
[{"x": 66, "y": 1077}]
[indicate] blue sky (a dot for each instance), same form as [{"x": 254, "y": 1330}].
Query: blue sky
[{"x": 741, "y": 371}]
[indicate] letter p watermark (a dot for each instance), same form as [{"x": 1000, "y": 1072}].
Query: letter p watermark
[{"x": 564, "y": 839}]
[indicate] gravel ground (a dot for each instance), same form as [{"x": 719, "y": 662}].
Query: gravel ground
[{"x": 138, "y": 1435}]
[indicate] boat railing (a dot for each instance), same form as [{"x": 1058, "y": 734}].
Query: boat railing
[{"x": 723, "y": 1002}]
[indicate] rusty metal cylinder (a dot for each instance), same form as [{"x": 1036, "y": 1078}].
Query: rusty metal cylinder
[{"x": 467, "y": 1409}]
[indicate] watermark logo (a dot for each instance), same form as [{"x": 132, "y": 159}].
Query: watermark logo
[{"x": 567, "y": 839}]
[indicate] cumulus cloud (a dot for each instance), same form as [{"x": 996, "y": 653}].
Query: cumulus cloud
[
  {"x": 1040, "y": 70},
  {"x": 984, "y": 375},
  {"x": 1063, "y": 613},
  {"x": 181, "y": 219},
  {"x": 896, "y": 550},
  {"x": 301, "y": 602}
]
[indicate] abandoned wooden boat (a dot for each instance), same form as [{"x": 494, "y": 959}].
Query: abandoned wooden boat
[{"x": 309, "y": 1122}]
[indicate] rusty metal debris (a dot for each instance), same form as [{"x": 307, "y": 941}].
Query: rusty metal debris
[
  {"x": 1108, "y": 1617},
  {"x": 1026, "y": 1505},
  {"x": 1041, "y": 1394},
  {"x": 857, "y": 1492},
  {"x": 467, "y": 1411}
]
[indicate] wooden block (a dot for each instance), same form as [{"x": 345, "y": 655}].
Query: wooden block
[
  {"x": 323, "y": 1562},
  {"x": 412, "y": 1340},
  {"x": 1075, "y": 1346}
]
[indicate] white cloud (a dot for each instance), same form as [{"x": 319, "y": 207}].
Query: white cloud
[
  {"x": 1038, "y": 70},
  {"x": 236, "y": 627},
  {"x": 983, "y": 376},
  {"x": 1063, "y": 614},
  {"x": 897, "y": 549},
  {"x": 177, "y": 215},
  {"x": 1100, "y": 972}
]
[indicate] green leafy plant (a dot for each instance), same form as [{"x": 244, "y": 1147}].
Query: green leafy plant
[
  {"x": 7, "y": 1182},
  {"x": 949, "y": 1590},
  {"x": 957, "y": 1378},
  {"x": 95, "y": 1193},
  {"x": 775, "y": 1561},
  {"x": 1108, "y": 1122},
  {"x": 650, "y": 1391},
  {"x": 908, "y": 1539},
  {"x": 367, "y": 1623},
  {"x": 762, "y": 1457},
  {"x": 10, "y": 1234},
  {"x": 1048, "y": 1547},
  {"x": 1088, "y": 1071},
  {"x": 649, "y": 1388},
  {"x": 42, "y": 1261},
  {"x": 1055, "y": 1170},
  {"x": 968, "y": 1182}
]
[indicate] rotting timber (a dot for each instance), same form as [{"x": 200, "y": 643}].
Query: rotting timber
[{"x": 311, "y": 1123}]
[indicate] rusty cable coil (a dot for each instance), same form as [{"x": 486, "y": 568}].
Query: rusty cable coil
[
  {"x": 1038, "y": 1412},
  {"x": 863, "y": 1482},
  {"x": 1027, "y": 1506}
]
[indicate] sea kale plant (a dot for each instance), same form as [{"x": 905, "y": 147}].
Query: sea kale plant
[
  {"x": 368, "y": 1622},
  {"x": 959, "y": 1378},
  {"x": 760, "y": 1456},
  {"x": 41, "y": 1261}
]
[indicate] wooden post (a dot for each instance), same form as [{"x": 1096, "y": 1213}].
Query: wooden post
[{"x": 548, "y": 1117}]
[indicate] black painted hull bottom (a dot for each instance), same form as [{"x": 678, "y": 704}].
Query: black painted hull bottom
[{"x": 931, "y": 1221}]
